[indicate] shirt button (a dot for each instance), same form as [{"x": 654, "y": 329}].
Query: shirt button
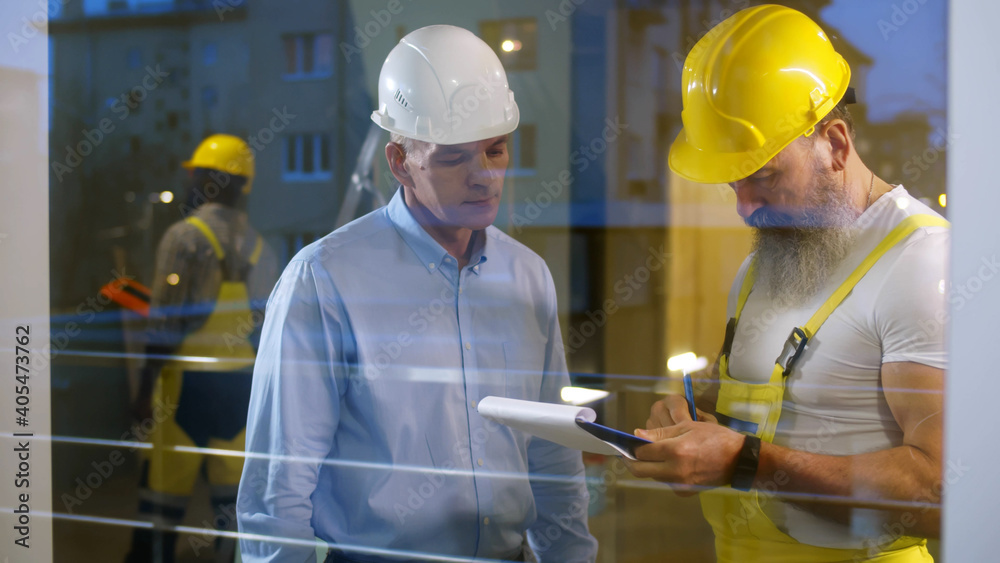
[
  {"x": 473, "y": 403},
  {"x": 459, "y": 291},
  {"x": 431, "y": 265},
  {"x": 486, "y": 521},
  {"x": 468, "y": 346},
  {"x": 476, "y": 268},
  {"x": 480, "y": 462}
]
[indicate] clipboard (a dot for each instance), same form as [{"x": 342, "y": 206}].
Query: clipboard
[
  {"x": 615, "y": 438},
  {"x": 568, "y": 425}
]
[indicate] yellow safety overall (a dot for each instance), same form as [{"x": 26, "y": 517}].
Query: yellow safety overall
[
  {"x": 208, "y": 383},
  {"x": 743, "y": 532}
]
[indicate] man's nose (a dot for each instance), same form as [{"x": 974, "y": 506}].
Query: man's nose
[
  {"x": 481, "y": 170},
  {"x": 748, "y": 198}
]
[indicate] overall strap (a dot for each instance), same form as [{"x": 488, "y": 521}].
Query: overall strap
[
  {"x": 800, "y": 336},
  {"x": 207, "y": 231}
]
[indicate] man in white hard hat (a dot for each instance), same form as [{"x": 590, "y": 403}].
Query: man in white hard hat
[
  {"x": 821, "y": 440},
  {"x": 382, "y": 337}
]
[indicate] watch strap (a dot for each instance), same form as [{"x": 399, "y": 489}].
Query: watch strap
[{"x": 746, "y": 464}]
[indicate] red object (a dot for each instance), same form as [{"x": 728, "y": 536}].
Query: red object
[{"x": 129, "y": 294}]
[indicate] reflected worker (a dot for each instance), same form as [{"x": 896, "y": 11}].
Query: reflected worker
[
  {"x": 213, "y": 273},
  {"x": 831, "y": 376},
  {"x": 382, "y": 337}
]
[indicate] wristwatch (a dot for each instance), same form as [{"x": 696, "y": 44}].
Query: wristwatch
[{"x": 746, "y": 464}]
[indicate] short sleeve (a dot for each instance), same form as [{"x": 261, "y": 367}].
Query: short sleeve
[{"x": 911, "y": 312}]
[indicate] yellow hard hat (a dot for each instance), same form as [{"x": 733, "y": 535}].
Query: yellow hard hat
[
  {"x": 224, "y": 153},
  {"x": 751, "y": 86}
]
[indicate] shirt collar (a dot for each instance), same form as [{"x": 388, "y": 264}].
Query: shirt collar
[{"x": 430, "y": 253}]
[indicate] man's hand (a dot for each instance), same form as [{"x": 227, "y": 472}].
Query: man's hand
[
  {"x": 672, "y": 410},
  {"x": 685, "y": 454},
  {"x": 688, "y": 456}
]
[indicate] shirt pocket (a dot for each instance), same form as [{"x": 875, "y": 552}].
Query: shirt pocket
[{"x": 525, "y": 366}]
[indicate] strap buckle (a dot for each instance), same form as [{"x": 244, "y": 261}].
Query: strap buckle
[{"x": 792, "y": 351}]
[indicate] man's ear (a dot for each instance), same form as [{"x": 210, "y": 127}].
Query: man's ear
[
  {"x": 395, "y": 155},
  {"x": 839, "y": 138}
]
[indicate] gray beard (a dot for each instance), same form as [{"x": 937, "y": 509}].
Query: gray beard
[{"x": 795, "y": 260}]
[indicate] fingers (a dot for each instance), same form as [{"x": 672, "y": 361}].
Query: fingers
[
  {"x": 706, "y": 417},
  {"x": 668, "y": 411},
  {"x": 661, "y": 433}
]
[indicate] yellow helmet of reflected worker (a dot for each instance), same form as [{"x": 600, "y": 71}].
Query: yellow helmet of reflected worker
[
  {"x": 224, "y": 153},
  {"x": 751, "y": 86}
]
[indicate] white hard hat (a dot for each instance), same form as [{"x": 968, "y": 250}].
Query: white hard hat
[{"x": 444, "y": 85}]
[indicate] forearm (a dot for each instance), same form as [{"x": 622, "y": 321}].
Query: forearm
[
  {"x": 562, "y": 503},
  {"x": 902, "y": 481}
]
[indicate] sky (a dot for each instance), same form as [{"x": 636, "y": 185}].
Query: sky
[{"x": 910, "y": 71}]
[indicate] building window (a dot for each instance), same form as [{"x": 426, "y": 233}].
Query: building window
[
  {"x": 307, "y": 157},
  {"x": 523, "y": 149},
  {"x": 308, "y": 55},
  {"x": 134, "y": 57},
  {"x": 514, "y": 40},
  {"x": 209, "y": 54},
  {"x": 209, "y": 96}
]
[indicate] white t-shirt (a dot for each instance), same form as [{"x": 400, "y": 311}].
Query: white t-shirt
[{"x": 833, "y": 399}]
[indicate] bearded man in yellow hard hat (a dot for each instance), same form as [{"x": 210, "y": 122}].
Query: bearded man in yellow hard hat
[
  {"x": 212, "y": 277},
  {"x": 819, "y": 438}
]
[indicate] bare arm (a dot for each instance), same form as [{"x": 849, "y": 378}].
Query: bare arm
[
  {"x": 703, "y": 454},
  {"x": 910, "y": 473}
]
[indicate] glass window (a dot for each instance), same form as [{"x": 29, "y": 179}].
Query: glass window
[
  {"x": 209, "y": 96},
  {"x": 134, "y": 57},
  {"x": 291, "y": 45},
  {"x": 633, "y": 266},
  {"x": 324, "y": 53},
  {"x": 308, "y": 55},
  {"x": 210, "y": 54},
  {"x": 307, "y": 157},
  {"x": 514, "y": 40}
]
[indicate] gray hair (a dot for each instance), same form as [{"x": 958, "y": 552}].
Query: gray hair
[{"x": 410, "y": 146}]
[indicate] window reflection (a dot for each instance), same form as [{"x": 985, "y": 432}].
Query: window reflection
[{"x": 642, "y": 260}]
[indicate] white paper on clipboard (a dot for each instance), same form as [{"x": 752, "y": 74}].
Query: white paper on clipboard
[{"x": 552, "y": 422}]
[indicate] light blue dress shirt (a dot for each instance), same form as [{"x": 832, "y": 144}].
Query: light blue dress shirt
[{"x": 363, "y": 429}]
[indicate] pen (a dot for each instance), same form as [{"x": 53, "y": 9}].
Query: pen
[{"x": 689, "y": 396}]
